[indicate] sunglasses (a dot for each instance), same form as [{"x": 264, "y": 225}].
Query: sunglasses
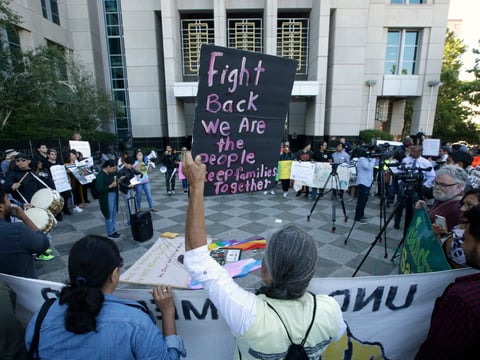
[{"x": 20, "y": 160}]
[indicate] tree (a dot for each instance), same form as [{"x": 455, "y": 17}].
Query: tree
[
  {"x": 452, "y": 113},
  {"x": 46, "y": 93}
]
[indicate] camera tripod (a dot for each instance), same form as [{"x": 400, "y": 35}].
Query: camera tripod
[
  {"x": 336, "y": 194},
  {"x": 381, "y": 191},
  {"x": 407, "y": 199}
]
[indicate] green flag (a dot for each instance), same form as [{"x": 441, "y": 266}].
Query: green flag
[{"x": 421, "y": 250}]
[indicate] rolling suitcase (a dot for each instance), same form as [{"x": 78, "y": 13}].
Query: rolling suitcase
[{"x": 140, "y": 222}]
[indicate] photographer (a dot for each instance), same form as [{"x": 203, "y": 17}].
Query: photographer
[
  {"x": 418, "y": 169},
  {"x": 365, "y": 165}
]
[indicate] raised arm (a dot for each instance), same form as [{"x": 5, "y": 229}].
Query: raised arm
[{"x": 195, "y": 232}]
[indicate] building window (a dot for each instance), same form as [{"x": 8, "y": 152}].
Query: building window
[
  {"x": 292, "y": 41},
  {"x": 50, "y": 11},
  {"x": 194, "y": 33},
  {"x": 407, "y": 1},
  {"x": 401, "y": 52},
  {"x": 245, "y": 33},
  {"x": 118, "y": 72}
]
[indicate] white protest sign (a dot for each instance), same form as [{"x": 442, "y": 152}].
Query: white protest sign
[
  {"x": 60, "y": 178},
  {"x": 302, "y": 171},
  {"x": 431, "y": 147},
  {"x": 82, "y": 146}
]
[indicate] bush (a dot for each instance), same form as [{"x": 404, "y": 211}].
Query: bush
[{"x": 366, "y": 136}]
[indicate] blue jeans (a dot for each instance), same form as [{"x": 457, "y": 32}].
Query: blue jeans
[
  {"x": 112, "y": 210},
  {"x": 143, "y": 188}
]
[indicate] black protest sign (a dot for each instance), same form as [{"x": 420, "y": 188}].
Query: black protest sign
[{"x": 242, "y": 102}]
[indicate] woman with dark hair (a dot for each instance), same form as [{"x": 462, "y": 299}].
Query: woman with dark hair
[
  {"x": 452, "y": 241},
  {"x": 262, "y": 322},
  {"x": 144, "y": 185},
  {"x": 89, "y": 322}
]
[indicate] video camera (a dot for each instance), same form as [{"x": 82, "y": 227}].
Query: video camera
[
  {"x": 383, "y": 151},
  {"x": 410, "y": 175}
]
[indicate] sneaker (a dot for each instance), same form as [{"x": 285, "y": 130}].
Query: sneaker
[
  {"x": 169, "y": 193},
  {"x": 77, "y": 210},
  {"x": 115, "y": 236},
  {"x": 153, "y": 210},
  {"x": 272, "y": 192},
  {"x": 299, "y": 192},
  {"x": 265, "y": 192},
  {"x": 363, "y": 220},
  {"x": 44, "y": 257},
  {"x": 173, "y": 192},
  {"x": 48, "y": 251},
  {"x": 285, "y": 194}
]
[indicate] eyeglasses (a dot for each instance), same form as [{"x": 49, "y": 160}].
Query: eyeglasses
[
  {"x": 20, "y": 160},
  {"x": 442, "y": 185}
]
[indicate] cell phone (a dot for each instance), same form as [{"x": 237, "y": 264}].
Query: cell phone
[{"x": 441, "y": 221}]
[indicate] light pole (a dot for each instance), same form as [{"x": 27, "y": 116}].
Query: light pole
[
  {"x": 431, "y": 84},
  {"x": 370, "y": 84}
]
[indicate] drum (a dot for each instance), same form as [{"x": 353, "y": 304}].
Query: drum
[
  {"x": 43, "y": 219},
  {"x": 48, "y": 199}
]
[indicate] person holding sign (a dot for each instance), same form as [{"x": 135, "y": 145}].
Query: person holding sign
[
  {"x": 285, "y": 156},
  {"x": 288, "y": 266},
  {"x": 306, "y": 154},
  {"x": 107, "y": 188},
  {"x": 455, "y": 318},
  {"x": 88, "y": 322},
  {"x": 144, "y": 185}
]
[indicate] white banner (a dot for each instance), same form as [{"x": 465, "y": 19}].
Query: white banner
[
  {"x": 323, "y": 176},
  {"x": 388, "y": 316},
  {"x": 60, "y": 178},
  {"x": 302, "y": 171}
]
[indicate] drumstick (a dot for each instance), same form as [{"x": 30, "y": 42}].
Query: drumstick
[{"x": 23, "y": 177}]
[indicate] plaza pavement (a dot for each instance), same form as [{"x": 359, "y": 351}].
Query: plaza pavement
[{"x": 239, "y": 217}]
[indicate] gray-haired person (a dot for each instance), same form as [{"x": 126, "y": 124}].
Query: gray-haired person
[
  {"x": 448, "y": 187},
  {"x": 257, "y": 320}
]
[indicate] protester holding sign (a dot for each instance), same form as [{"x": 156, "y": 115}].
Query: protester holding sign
[
  {"x": 286, "y": 155},
  {"x": 455, "y": 319},
  {"x": 452, "y": 242},
  {"x": 89, "y": 322},
  {"x": 288, "y": 266}
]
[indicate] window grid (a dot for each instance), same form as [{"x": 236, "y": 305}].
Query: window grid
[
  {"x": 401, "y": 52},
  {"x": 194, "y": 33},
  {"x": 118, "y": 78},
  {"x": 245, "y": 34},
  {"x": 292, "y": 41},
  {"x": 50, "y": 11}
]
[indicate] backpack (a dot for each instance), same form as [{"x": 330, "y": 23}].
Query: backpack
[{"x": 297, "y": 351}]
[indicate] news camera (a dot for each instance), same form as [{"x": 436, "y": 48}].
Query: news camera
[{"x": 383, "y": 151}]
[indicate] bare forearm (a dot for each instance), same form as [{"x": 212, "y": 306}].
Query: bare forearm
[
  {"x": 195, "y": 232},
  {"x": 168, "y": 324}
]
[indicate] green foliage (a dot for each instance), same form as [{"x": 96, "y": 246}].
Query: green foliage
[
  {"x": 46, "y": 93},
  {"x": 367, "y": 135},
  {"x": 7, "y": 16},
  {"x": 452, "y": 112}
]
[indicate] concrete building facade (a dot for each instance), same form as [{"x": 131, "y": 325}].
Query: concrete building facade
[{"x": 361, "y": 63}]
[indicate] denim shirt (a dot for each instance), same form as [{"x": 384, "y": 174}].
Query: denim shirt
[{"x": 123, "y": 332}]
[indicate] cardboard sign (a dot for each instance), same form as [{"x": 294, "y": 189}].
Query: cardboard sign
[
  {"x": 431, "y": 147},
  {"x": 240, "y": 114}
]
